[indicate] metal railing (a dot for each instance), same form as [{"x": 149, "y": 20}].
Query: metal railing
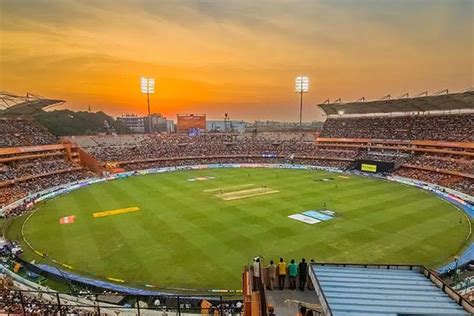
[{"x": 24, "y": 302}]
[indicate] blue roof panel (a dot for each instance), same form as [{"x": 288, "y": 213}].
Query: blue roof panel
[{"x": 377, "y": 291}]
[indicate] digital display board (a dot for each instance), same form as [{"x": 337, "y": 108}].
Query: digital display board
[
  {"x": 186, "y": 122},
  {"x": 368, "y": 168}
]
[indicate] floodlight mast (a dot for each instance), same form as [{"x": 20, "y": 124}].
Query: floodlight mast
[
  {"x": 301, "y": 86},
  {"x": 148, "y": 87}
]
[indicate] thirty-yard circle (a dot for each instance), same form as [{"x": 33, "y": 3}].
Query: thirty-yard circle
[{"x": 196, "y": 229}]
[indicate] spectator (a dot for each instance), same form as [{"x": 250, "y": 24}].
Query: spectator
[
  {"x": 256, "y": 273},
  {"x": 302, "y": 311},
  {"x": 205, "y": 307},
  {"x": 293, "y": 273},
  {"x": 281, "y": 274},
  {"x": 271, "y": 310},
  {"x": 303, "y": 269},
  {"x": 271, "y": 268}
]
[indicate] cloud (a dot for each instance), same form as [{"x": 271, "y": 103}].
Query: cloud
[{"x": 209, "y": 54}]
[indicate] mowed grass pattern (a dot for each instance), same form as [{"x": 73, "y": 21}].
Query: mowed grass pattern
[{"x": 185, "y": 237}]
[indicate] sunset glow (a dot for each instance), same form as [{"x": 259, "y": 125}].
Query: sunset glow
[{"x": 237, "y": 57}]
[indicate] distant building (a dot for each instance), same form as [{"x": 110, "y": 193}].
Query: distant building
[
  {"x": 170, "y": 126},
  {"x": 134, "y": 122},
  {"x": 141, "y": 124},
  {"x": 225, "y": 126},
  {"x": 158, "y": 123}
]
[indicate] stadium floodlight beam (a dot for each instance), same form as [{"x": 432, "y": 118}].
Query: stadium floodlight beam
[
  {"x": 301, "y": 86},
  {"x": 148, "y": 87}
]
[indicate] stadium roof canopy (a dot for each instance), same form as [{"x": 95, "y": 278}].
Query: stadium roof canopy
[
  {"x": 345, "y": 289},
  {"x": 445, "y": 102},
  {"x": 15, "y": 105}
]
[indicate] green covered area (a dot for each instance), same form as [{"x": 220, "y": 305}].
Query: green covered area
[{"x": 200, "y": 234}]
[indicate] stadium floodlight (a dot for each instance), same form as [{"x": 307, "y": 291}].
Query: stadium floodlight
[
  {"x": 301, "y": 86},
  {"x": 148, "y": 87}
]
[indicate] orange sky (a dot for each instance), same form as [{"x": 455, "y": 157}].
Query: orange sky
[{"x": 234, "y": 56}]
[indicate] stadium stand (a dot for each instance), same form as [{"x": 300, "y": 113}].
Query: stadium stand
[
  {"x": 29, "y": 169},
  {"x": 24, "y": 297},
  {"x": 15, "y": 132},
  {"x": 31, "y": 160},
  {"x": 444, "y": 102},
  {"x": 450, "y": 160},
  {"x": 455, "y": 127},
  {"x": 133, "y": 153},
  {"x": 13, "y": 105},
  {"x": 434, "y": 148},
  {"x": 423, "y": 143}
]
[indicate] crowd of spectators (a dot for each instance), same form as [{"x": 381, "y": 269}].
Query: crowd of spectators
[
  {"x": 175, "y": 145},
  {"x": 464, "y": 185},
  {"x": 135, "y": 152},
  {"x": 16, "y": 191},
  {"x": 14, "y": 302},
  {"x": 165, "y": 145},
  {"x": 132, "y": 166},
  {"x": 158, "y": 149},
  {"x": 444, "y": 163},
  {"x": 32, "y": 167},
  {"x": 395, "y": 157},
  {"x": 415, "y": 127},
  {"x": 439, "y": 174},
  {"x": 23, "y": 132},
  {"x": 446, "y": 180}
]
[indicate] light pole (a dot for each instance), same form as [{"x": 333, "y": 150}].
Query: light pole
[
  {"x": 301, "y": 86},
  {"x": 148, "y": 87}
]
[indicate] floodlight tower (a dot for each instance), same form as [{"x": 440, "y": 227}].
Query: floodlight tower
[
  {"x": 148, "y": 87},
  {"x": 301, "y": 86}
]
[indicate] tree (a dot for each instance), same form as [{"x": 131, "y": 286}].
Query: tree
[{"x": 67, "y": 122}]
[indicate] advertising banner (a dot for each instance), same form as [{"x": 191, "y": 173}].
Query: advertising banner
[{"x": 368, "y": 168}]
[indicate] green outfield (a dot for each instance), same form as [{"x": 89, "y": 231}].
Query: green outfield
[{"x": 200, "y": 234}]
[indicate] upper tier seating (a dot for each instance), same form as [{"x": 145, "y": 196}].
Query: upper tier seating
[
  {"x": 23, "y": 132},
  {"x": 418, "y": 127}
]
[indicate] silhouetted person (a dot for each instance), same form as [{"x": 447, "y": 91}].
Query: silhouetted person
[{"x": 303, "y": 267}]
